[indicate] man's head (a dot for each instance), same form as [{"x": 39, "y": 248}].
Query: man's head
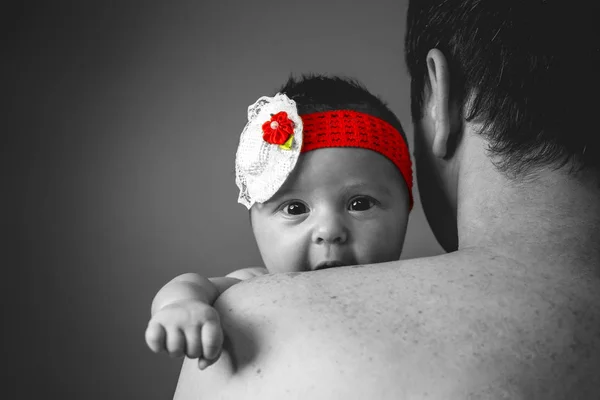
[{"x": 524, "y": 72}]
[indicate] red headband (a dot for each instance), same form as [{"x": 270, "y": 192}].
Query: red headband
[
  {"x": 346, "y": 128},
  {"x": 276, "y": 134}
]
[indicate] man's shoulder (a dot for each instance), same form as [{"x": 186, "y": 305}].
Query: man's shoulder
[{"x": 391, "y": 330}]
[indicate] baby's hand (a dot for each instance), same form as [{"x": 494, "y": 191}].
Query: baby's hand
[{"x": 189, "y": 327}]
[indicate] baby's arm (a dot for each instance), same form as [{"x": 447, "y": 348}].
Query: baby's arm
[
  {"x": 183, "y": 320},
  {"x": 247, "y": 273},
  {"x": 192, "y": 287}
]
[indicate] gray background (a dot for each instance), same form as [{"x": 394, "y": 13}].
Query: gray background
[{"x": 120, "y": 128}]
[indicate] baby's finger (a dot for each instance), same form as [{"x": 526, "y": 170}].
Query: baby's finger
[
  {"x": 193, "y": 348},
  {"x": 204, "y": 363},
  {"x": 155, "y": 337},
  {"x": 175, "y": 342},
  {"x": 212, "y": 339}
]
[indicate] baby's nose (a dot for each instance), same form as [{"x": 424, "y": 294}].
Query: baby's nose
[{"x": 330, "y": 230}]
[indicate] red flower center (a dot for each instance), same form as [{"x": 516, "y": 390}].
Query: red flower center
[{"x": 278, "y": 129}]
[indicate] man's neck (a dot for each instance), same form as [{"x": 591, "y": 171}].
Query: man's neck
[{"x": 551, "y": 220}]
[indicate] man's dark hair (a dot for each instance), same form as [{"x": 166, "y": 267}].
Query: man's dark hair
[
  {"x": 316, "y": 93},
  {"x": 526, "y": 69}
]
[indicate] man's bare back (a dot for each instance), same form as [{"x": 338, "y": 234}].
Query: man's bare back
[
  {"x": 508, "y": 174},
  {"x": 438, "y": 328}
]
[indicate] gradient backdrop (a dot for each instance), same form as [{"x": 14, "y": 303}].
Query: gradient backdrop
[{"x": 121, "y": 121}]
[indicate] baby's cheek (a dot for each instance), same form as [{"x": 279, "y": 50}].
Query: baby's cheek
[
  {"x": 385, "y": 244},
  {"x": 288, "y": 257}
]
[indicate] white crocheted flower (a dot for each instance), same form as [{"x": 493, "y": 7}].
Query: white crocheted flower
[{"x": 269, "y": 148}]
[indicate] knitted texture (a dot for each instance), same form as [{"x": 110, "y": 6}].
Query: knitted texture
[
  {"x": 276, "y": 134},
  {"x": 346, "y": 128}
]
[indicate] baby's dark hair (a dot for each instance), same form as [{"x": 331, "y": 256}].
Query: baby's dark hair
[{"x": 316, "y": 93}]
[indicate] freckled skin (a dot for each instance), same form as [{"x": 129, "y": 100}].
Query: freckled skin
[{"x": 388, "y": 331}]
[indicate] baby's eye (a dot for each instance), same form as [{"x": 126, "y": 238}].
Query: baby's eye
[
  {"x": 295, "y": 208},
  {"x": 361, "y": 203}
]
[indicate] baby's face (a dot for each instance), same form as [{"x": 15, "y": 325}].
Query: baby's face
[{"x": 340, "y": 206}]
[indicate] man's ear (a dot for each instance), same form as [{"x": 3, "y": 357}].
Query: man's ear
[{"x": 439, "y": 103}]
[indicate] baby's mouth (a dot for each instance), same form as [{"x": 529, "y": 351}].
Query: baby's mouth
[{"x": 330, "y": 264}]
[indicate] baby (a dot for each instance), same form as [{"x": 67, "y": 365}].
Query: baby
[{"x": 324, "y": 168}]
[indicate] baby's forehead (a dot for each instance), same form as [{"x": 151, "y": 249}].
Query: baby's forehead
[{"x": 344, "y": 168}]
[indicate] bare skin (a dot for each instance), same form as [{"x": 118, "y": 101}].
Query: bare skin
[
  {"x": 414, "y": 330},
  {"x": 514, "y": 313},
  {"x": 488, "y": 321}
]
